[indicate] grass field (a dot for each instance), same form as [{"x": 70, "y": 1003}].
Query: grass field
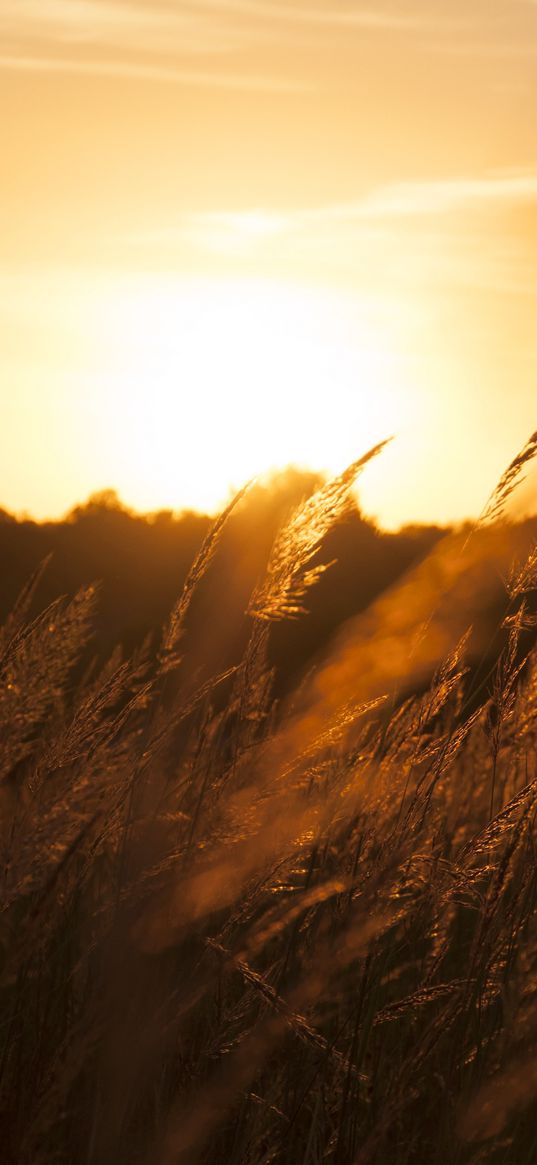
[{"x": 243, "y": 931}]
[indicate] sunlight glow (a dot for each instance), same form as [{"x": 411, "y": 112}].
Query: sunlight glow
[{"x": 213, "y": 383}]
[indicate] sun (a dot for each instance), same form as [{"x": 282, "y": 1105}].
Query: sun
[{"x": 211, "y": 383}]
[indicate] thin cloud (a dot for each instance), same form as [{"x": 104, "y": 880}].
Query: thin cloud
[
  {"x": 206, "y": 26},
  {"x": 60, "y": 16},
  {"x": 152, "y": 72},
  {"x": 431, "y": 198},
  {"x": 392, "y": 201},
  {"x": 201, "y": 26},
  {"x": 38, "y": 25},
  {"x": 451, "y": 236},
  {"x": 142, "y": 41},
  {"x": 164, "y": 34},
  {"x": 449, "y": 195},
  {"x": 327, "y": 14}
]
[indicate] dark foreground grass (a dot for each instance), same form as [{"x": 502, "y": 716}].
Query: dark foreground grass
[{"x": 240, "y": 933}]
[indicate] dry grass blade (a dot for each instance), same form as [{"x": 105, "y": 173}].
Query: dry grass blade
[
  {"x": 419, "y": 999},
  {"x": 176, "y": 623},
  {"x": 19, "y": 613},
  {"x": 35, "y": 670},
  {"x": 290, "y": 573},
  {"x": 510, "y": 479}
]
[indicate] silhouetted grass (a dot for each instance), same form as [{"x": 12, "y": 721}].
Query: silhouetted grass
[{"x": 235, "y": 930}]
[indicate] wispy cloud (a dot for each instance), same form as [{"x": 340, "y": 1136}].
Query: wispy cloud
[
  {"x": 456, "y": 231},
  {"x": 153, "y": 40},
  {"x": 84, "y": 18},
  {"x": 41, "y": 25},
  {"x": 68, "y": 19},
  {"x": 419, "y": 199},
  {"x": 448, "y": 195},
  {"x": 133, "y": 40},
  {"x": 165, "y": 74},
  {"x": 75, "y": 35},
  {"x": 334, "y": 15}
]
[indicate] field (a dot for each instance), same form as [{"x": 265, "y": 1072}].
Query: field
[{"x": 246, "y": 924}]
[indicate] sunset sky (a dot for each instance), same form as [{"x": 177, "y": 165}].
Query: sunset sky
[{"x": 240, "y": 233}]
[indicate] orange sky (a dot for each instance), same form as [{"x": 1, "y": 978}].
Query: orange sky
[{"x": 239, "y": 232}]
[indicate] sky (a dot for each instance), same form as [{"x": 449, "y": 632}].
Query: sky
[{"x": 236, "y": 234}]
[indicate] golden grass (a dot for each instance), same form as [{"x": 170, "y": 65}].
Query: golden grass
[{"x": 238, "y": 932}]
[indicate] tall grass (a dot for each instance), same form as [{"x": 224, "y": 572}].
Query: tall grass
[{"x": 239, "y": 932}]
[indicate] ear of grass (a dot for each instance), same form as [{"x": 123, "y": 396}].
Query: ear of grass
[
  {"x": 509, "y": 481},
  {"x": 174, "y": 630},
  {"x": 290, "y": 572},
  {"x": 19, "y": 614},
  {"x": 36, "y": 668}
]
